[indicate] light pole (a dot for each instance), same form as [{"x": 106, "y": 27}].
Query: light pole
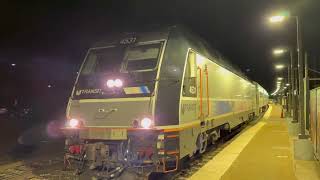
[
  {"x": 294, "y": 89},
  {"x": 290, "y": 82},
  {"x": 299, "y": 79},
  {"x": 281, "y": 82}
]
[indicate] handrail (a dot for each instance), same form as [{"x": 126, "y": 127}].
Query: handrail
[
  {"x": 208, "y": 100},
  {"x": 200, "y": 89}
]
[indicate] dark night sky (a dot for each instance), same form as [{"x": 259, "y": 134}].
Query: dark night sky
[{"x": 48, "y": 39}]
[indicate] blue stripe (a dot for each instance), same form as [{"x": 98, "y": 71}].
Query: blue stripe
[
  {"x": 144, "y": 89},
  {"x": 222, "y": 107}
]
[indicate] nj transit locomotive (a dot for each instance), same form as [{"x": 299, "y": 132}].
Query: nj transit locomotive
[{"x": 144, "y": 101}]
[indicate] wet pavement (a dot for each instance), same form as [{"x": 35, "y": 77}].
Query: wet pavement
[
  {"x": 45, "y": 162},
  {"x": 31, "y": 153}
]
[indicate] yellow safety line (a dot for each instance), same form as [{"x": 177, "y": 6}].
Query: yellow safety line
[
  {"x": 267, "y": 114},
  {"x": 217, "y": 166}
]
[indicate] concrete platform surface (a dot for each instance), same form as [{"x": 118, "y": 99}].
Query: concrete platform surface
[{"x": 263, "y": 152}]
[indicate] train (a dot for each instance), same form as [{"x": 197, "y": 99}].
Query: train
[{"x": 144, "y": 101}]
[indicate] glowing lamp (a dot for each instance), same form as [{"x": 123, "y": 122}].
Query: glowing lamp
[
  {"x": 278, "y": 51},
  {"x": 118, "y": 83},
  {"x": 114, "y": 83},
  {"x": 279, "y": 66},
  {"x": 74, "y": 123},
  {"x": 146, "y": 123},
  {"x": 110, "y": 83},
  {"x": 276, "y": 19}
]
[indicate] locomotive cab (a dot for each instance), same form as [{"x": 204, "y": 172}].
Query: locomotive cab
[{"x": 111, "y": 113}]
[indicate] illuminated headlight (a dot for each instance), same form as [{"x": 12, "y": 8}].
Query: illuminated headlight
[
  {"x": 118, "y": 83},
  {"x": 74, "y": 123},
  {"x": 146, "y": 123},
  {"x": 114, "y": 83},
  {"x": 110, "y": 83}
]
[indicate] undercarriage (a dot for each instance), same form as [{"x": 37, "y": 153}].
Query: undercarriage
[{"x": 142, "y": 153}]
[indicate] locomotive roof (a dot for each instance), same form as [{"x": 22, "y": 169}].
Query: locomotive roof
[
  {"x": 158, "y": 32},
  {"x": 206, "y": 49}
]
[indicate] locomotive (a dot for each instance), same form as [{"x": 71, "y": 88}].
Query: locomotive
[{"x": 144, "y": 101}]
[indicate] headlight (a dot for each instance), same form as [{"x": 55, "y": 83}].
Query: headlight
[
  {"x": 114, "y": 83},
  {"x": 110, "y": 83},
  {"x": 74, "y": 123},
  {"x": 118, "y": 83},
  {"x": 146, "y": 123}
]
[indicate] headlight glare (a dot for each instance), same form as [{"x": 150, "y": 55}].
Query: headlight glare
[
  {"x": 146, "y": 123},
  {"x": 110, "y": 83},
  {"x": 74, "y": 123},
  {"x": 118, "y": 83}
]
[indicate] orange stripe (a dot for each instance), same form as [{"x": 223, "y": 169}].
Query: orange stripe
[
  {"x": 168, "y": 152},
  {"x": 172, "y": 130},
  {"x": 172, "y": 136},
  {"x": 201, "y": 112},
  {"x": 176, "y": 129},
  {"x": 172, "y": 152},
  {"x": 208, "y": 101}
]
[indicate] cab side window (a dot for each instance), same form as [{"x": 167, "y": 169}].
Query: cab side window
[{"x": 189, "y": 88}]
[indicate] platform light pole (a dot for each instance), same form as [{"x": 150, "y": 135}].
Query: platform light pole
[
  {"x": 278, "y": 19},
  {"x": 292, "y": 101},
  {"x": 281, "y": 83},
  {"x": 294, "y": 89},
  {"x": 306, "y": 96}
]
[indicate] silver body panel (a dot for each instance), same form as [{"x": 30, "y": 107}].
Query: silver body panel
[{"x": 110, "y": 112}]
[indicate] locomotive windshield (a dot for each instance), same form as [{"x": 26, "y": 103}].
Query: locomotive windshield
[
  {"x": 143, "y": 57},
  {"x": 102, "y": 60},
  {"x": 134, "y": 65},
  {"x": 136, "y": 58}
]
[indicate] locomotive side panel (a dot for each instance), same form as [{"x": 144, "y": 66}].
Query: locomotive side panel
[
  {"x": 211, "y": 96},
  {"x": 263, "y": 98},
  {"x": 223, "y": 92}
]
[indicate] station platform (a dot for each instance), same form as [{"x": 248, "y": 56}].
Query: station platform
[{"x": 262, "y": 152}]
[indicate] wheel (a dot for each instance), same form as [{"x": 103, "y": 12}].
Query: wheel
[{"x": 202, "y": 142}]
